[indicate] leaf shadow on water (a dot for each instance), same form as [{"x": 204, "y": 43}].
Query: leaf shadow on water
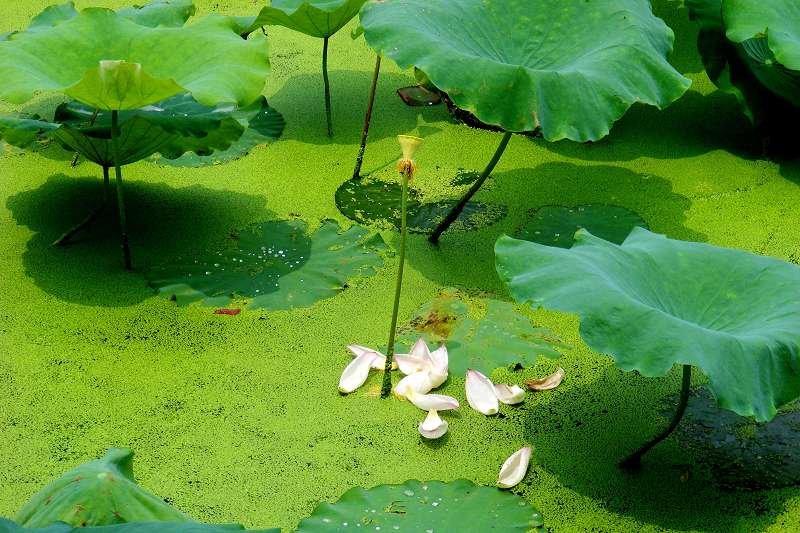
[
  {"x": 580, "y": 433},
  {"x": 162, "y": 221},
  {"x": 466, "y": 258},
  {"x": 300, "y": 101}
]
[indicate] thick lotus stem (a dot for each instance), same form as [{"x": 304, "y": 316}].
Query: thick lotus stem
[
  {"x": 367, "y": 119},
  {"x": 634, "y": 461},
  {"x": 91, "y": 217},
  {"x": 327, "y": 86},
  {"x": 123, "y": 223},
  {"x": 459, "y": 207}
]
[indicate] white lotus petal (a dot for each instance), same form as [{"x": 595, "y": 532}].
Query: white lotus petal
[
  {"x": 548, "y": 383},
  {"x": 408, "y": 364},
  {"x": 419, "y": 382},
  {"x": 420, "y": 351},
  {"x": 480, "y": 393},
  {"x": 356, "y": 373},
  {"x": 440, "y": 359},
  {"x": 515, "y": 468},
  {"x": 437, "y": 379},
  {"x": 433, "y": 426},
  {"x": 509, "y": 394},
  {"x": 380, "y": 359},
  {"x": 430, "y": 402}
]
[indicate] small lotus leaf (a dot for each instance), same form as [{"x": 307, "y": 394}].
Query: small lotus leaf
[
  {"x": 480, "y": 333},
  {"x": 317, "y": 18},
  {"x": 654, "y": 302},
  {"x": 372, "y": 201},
  {"x": 276, "y": 264},
  {"x": 571, "y": 67},
  {"x": 77, "y": 57},
  {"x": 417, "y": 507},
  {"x": 100, "y": 492},
  {"x": 555, "y": 225},
  {"x": 7, "y": 526},
  {"x": 24, "y": 131}
]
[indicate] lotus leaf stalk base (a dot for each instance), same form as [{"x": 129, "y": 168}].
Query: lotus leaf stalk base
[
  {"x": 367, "y": 118},
  {"x": 459, "y": 207},
  {"x": 91, "y": 217},
  {"x": 634, "y": 461}
]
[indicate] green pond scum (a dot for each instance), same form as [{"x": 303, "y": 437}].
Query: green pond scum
[{"x": 237, "y": 418}]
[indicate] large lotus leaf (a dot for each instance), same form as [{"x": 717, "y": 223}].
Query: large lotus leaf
[
  {"x": 653, "y": 302},
  {"x": 777, "y": 20},
  {"x": 7, "y": 526},
  {"x": 318, "y": 18},
  {"x": 555, "y": 225},
  {"x": 480, "y": 333},
  {"x": 419, "y": 507},
  {"x": 109, "y": 62},
  {"x": 373, "y": 201},
  {"x": 276, "y": 264},
  {"x": 571, "y": 67},
  {"x": 100, "y": 492}
]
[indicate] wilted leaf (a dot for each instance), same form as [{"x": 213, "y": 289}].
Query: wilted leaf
[{"x": 547, "y": 383}]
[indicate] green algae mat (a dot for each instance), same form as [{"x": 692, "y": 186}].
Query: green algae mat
[{"x": 236, "y": 418}]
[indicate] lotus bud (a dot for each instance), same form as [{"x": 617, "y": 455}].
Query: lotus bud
[
  {"x": 409, "y": 145},
  {"x": 509, "y": 395},
  {"x": 356, "y": 373},
  {"x": 430, "y": 402},
  {"x": 433, "y": 426},
  {"x": 515, "y": 468},
  {"x": 480, "y": 393},
  {"x": 419, "y": 382}
]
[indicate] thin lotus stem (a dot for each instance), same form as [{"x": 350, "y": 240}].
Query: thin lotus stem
[
  {"x": 123, "y": 223},
  {"x": 459, "y": 207},
  {"x": 91, "y": 217},
  {"x": 327, "y": 86},
  {"x": 634, "y": 461},
  {"x": 387, "y": 372},
  {"x": 367, "y": 119}
]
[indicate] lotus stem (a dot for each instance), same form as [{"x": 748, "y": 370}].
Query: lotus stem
[
  {"x": 367, "y": 119},
  {"x": 123, "y": 223},
  {"x": 407, "y": 172},
  {"x": 327, "y": 86},
  {"x": 91, "y": 217},
  {"x": 77, "y": 155},
  {"x": 459, "y": 207},
  {"x": 634, "y": 461}
]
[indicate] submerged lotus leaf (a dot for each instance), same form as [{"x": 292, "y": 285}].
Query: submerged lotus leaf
[
  {"x": 480, "y": 333},
  {"x": 100, "y": 492},
  {"x": 7, "y": 526},
  {"x": 376, "y": 202},
  {"x": 275, "y": 264},
  {"x": 417, "y": 507},
  {"x": 654, "y": 302},
  {"x": 555, "y": 225},
  {"x": 317, "y": 18},
  {"x": 777, "y": 20},
  {"x": 570, "y": 67},
  {"x": 110, "y": 62}
]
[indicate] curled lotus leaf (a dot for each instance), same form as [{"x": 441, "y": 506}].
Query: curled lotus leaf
[
  {"x": 777, "y": 20},
  {"x": 571, "y": 67},
  {"x": 317, "y": 18},
  {"x": 99, "y": 492},
  {"x": 137, "y": 65},
  {"x": 653, "y": 302},
  {"x": 168, "y": 13},
  {"x": 417, "y": 506}
]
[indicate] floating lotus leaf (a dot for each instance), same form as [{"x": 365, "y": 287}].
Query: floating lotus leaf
[
  {"x": 317, "y": 18},
  {"x": 7, "y": 526},
  {"x": 570, "y": 67},
  {"x": 653, "y": 302},
  {"x": 480, "y": 333},
  {"x": 376, "y": 202},
  {"x": 417, "y": 507},
  {"x": 555, "y": 225},
  {"x": 100, "y": 492},
  {"x": 276, "y": 264},
  {"x": 168, "y": 13},
  {"x": 138, "y": 66}
]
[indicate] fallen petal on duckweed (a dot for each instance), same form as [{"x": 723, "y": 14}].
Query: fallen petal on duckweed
[
  {"x": 509, "y": 394},
  {"x": 550, "y": 382},
  {"x": 433, "y": 426},
  {"x": 356, "y": 373},
  {"x": 515, "y": 468},
  {"x": 408, "y": 364},
  {"x": 480, "y": 393},
  {"x": 419, "y": 382},
  {"x": 430, "y": 402}
]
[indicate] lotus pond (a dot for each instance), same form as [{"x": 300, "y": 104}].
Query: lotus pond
[{"x": 568, "y": 299}]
